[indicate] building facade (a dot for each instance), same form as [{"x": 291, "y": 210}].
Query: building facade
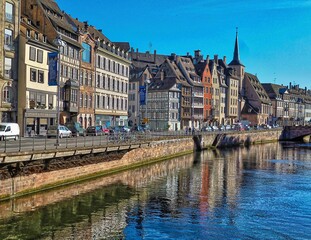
[
  {"x": 37, "y": 101},
  {"x": 9, "y": 29}
]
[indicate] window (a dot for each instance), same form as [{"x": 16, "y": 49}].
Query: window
[
  {"x": 36, "y": 36},
  {"x": 40, "y": 56},
  {"x": 28, "y": 33},
  {"x": 9, "y": 12},
  {"x": 85, "y": 100},
  {"x": 8, "y": 37},
  {"x": 81, "y": 100},
  {"x": 33, "y": 75},
  {"x": 74, "y": 96},
  {"x": 86, "y": 54},
  {"x": 40, "y": 76},
  {"x": 32, "y": 54},
  {"x": 8, "y": 68},
  {"x": 7, "y": 94}
]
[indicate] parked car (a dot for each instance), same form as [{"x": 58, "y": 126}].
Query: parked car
[
  {"x": 137, "y": 129},
  {"x": 215, "y": 128},
  {"x": 94, "y": 131},
  {"x": 207, "y": 129},
  {"x": 124, "y": 129},
  {"x": 76, "y": 129},
  {"x": 105, "y": 130},
  {"x": 63, "y": 131},
  {"x": 238, "y": 127},
  {"x": 9, "y": 130}
]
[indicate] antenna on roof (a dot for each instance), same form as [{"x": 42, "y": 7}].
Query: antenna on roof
[
  {"x": 274, "y": 79},
  {"x": 150, "y": 46}
]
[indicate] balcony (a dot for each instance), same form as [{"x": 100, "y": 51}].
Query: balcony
[
  {"x": 70, "y": 107},
  {"x": 7, "y": 105}
]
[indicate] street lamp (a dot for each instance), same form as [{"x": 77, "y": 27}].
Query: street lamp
[
  {"x": 147, "y": 82},
  {"x": 59, "y": 43}
]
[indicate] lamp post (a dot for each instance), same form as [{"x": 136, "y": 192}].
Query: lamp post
[
  {"x": 147, "y": 82},
  {"x": 59, "y": 43}
]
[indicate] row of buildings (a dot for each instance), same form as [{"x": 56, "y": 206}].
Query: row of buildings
[{"x": 108, "y": 83}]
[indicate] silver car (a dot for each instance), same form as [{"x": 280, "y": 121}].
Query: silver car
[{"x": 63, "y": 131}]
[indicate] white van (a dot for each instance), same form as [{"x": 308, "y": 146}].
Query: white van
[{"x": 9, "y": 130}]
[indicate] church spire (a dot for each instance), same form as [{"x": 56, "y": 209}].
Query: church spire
[{"x": 236, "y": 54}]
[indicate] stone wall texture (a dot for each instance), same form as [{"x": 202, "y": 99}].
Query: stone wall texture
[{"x": 154, "y": 152}]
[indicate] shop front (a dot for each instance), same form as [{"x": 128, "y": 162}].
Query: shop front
[
  {"x": 110, "y": 120},
  {"x": 36, "y": 122}
]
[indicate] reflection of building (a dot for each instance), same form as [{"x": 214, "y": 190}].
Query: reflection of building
[
  {"x": 9, "y": 17},
  {"x": 36, "y": 100}
]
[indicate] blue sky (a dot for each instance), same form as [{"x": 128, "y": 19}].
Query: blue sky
[{"x": 274, "y": 35}]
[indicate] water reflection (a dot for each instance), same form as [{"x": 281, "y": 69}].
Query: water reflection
[{"x": 223, "y": 194}]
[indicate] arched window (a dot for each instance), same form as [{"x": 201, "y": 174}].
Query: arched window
[
  {"x": 7, "y": 94},
  {"x": 85, "y": 122}
]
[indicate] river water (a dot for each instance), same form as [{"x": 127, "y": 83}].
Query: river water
[{"x": 261, "y": 192}]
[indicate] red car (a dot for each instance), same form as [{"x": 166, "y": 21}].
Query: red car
[{"x": 105, "y": 130}]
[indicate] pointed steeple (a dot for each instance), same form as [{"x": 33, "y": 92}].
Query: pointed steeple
[{"x": 236, "y": 54}]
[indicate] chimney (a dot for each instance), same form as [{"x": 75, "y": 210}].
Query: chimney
[
  {"x": 207, "y": 59},
  {"x": 305, "y": 90},
  {"x": 137, "y": 53},
  {"x": 100, "y": 30},
  {"x": 216, "y": 58},
  {"x": 155, "y": 56},
  {"x": 290, "y": 85},
  {"x": 173, "y": 55},
  {"x": 225, "y": 59},
  {"x": 197, "y": 53},
  {"x": 86, "y": 25}
]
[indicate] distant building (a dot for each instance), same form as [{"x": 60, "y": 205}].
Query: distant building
[
  {"x": 258, "y": 106},
  {"x": 203, "y": 70}
]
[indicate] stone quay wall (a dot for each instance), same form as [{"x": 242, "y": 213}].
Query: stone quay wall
[
  {"x": 22, "y": 184},
  {"x": 155, "y": 151},
  {"x": 230, "y": 139}
]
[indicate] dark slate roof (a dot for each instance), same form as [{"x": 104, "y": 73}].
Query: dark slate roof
[
  {"x": 200, "y": 67},
  {"x": 187, "y": 64},
  {"x": 172, "y": 75},
  {"x": 159, "y": 85},
  {"x": 249, "y": 109},
  {"x": 56, "y": 21},
  {"x": 123, "y": 45},
  {"x": 141, "y": 60},
  {"x": 259, "y": 89},
  {"x": 273, "y": 90}
]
